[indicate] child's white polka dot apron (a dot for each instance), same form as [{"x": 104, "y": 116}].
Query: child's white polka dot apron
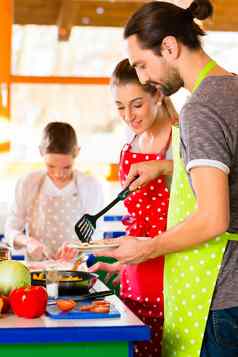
[{"x": 52, "y": 218}]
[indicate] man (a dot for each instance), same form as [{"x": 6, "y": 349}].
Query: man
[{"x": 164, "y": 47}]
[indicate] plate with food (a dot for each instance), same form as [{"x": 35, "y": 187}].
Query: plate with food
[{"x": 102, "y": 244}]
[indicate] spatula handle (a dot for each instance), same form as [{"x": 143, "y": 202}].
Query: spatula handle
[
  {"x": 120, "y": 197},
  {"x": 107, "y": 208},
  {"x": 123, "y": 194}
]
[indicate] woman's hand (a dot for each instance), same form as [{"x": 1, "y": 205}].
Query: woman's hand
[
  {"x": 148, "y": 171},
  {"x": 111, "y": 269},
  {"x": 66, "y": 253}
]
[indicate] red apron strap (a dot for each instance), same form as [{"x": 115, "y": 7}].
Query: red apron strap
[{"x": 164, "y": 150}]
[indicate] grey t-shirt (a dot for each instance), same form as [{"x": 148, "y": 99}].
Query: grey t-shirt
[{"x": 209, "y": 137}]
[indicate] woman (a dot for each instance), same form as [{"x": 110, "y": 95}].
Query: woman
[
  {"x": 149, "y": 116},
  {"x": 48, "y": 203}
]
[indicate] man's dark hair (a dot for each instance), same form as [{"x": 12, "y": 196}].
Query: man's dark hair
[{"x": 156, "y": 20}]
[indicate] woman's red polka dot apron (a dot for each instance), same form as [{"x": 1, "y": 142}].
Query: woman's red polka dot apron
[{"x": 142, "y": 284}]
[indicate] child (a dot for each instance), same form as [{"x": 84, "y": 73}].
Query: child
[
  {"x": 149, "y": 116},
  {"x": 49, "y": 202}
]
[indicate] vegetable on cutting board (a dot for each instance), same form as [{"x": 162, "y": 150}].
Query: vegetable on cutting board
[
  {"x": 100, "y": 306},
  {"x": 29, "y": 302},
  {"x": 66, "y": 305}
]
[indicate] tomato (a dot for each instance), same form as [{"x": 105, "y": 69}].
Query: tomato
[
  {"x": 29, "y": 302},
  {"x": 66, "y": 305}
]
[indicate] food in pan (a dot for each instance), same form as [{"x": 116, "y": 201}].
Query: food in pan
[
  {"x": 41, "y": 276},
  {"x": 70, "y": 282}
]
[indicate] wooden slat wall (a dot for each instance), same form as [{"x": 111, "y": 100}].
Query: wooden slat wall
[
  {"x": 85, "y": 12},
  {"x": 5, "y": 45},
  {"x": 226, "y": 16},
  {"x": 60, "y": 80},
  {"x": 115, "y": 13},
  {"x": 5, "y": 50}
]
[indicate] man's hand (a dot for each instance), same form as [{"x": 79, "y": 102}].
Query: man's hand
[
  {"x": 131, "y": 251},
  {"x": 148, "y": 171}
]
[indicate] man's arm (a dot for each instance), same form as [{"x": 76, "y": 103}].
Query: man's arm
[{"x": 210, "y": 219}]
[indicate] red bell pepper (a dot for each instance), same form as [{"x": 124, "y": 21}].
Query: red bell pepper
[{"x": 29, "y": 302}]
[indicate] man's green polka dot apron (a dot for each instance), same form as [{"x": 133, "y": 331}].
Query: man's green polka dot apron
[{"x": 189, "y": 276}]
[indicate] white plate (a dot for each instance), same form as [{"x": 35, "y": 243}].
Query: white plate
[{"x": 86, "y": 247}]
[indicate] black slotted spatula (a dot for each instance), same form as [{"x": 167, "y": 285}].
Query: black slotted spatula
[{"x": 85, "y": 227}]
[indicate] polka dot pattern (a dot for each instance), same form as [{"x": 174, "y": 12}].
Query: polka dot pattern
[
  {"x": 145, "y": 312},
  {"x": 147, "y": 216},
  {"x": 189, "y": 276},
  {"x": 53, "y": 219},
  {"x": 142, "y": 284}
]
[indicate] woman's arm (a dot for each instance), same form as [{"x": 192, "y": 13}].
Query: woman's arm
[{"x": 147, "y": 171}]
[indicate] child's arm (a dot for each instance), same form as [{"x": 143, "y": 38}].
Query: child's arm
[
  {"x": 16, "y": 219},
  {"x": 16, "y": 222}
]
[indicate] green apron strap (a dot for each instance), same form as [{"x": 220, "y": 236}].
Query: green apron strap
[{"x": 203, "y": 74}]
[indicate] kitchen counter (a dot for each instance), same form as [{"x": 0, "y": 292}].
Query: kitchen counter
[{"x": 87, "y": 337}]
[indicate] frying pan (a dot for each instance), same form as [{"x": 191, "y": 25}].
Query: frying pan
[{"x": 74, "y": 287}]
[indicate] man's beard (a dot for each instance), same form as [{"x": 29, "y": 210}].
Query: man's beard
[
  {"x": 171, "y": 85},
  {"x": 170, "y": 88}
]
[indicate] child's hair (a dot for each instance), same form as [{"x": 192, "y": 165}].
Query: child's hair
[
  {"x": 124, "y": 73},
  {"x": 58, "y": 138}
]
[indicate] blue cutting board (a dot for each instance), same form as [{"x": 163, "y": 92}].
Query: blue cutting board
[{"x": 53, "y": 312}]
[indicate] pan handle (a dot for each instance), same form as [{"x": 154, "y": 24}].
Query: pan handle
[{"x": 96, "y": 295}]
